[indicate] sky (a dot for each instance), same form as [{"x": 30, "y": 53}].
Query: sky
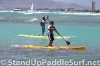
[{"x": 82, "y": 2}]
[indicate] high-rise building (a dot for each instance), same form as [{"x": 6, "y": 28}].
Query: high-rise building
[{"x": 93, "y": 5}]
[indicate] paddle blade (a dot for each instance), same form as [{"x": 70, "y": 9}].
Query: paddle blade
[{"x": 68, "y": 43}]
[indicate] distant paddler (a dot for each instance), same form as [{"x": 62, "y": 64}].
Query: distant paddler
[{"x": 42, "y": 23}]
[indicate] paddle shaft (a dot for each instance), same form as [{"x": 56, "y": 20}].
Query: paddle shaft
[{"x": 62, "y": 37}]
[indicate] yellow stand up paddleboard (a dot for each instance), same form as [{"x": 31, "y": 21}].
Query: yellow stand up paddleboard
[
  {"x": 43, "y": 37},
  {"x": 55, "y": 47}
]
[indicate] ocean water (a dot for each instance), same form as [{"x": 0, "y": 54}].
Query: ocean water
[{"x": 84, "y": 26}]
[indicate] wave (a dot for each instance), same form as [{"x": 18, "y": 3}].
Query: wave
[
  {"x": 18, "y": 20},
  {"x": 33, "y": 19},
  {"x": 6, "y": 11},
  {"x": 81, "y": 13},
  {"x": 1, "y": 18},
  {"x": 52, "y": 12},
  {"x": 35, "y": 12}
]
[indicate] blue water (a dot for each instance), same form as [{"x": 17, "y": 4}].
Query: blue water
[{"x": 84, "y": 26}]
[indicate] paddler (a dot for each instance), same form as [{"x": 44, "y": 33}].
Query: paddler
[
  {"x": 51, "y": 28},
  {"x": 42, "y": 23}
]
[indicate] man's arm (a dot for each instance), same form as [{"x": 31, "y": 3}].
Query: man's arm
[
  {"x": 47, "y": 19},
  {"x": 50, "y": 28},
  {"x": 47, "y": 22}
]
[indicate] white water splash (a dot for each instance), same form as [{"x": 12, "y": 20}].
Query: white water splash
[
  {"x": 17, "y": 46},
  {"x": 1, "y": 18},
  {"x": 28, "y": 13},
  {"x": 33, "y": 19},
  {"x": 79, "y": 13}
]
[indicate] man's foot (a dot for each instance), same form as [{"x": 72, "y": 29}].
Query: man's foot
[{"x": 49, "y": 46}]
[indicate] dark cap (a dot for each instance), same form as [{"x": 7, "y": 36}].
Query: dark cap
[
  {"x": 52, "y": 22},
  {"x": 43, "y": 18}
]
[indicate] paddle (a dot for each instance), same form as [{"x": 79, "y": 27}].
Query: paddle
[{"x": 48, "y": 18}]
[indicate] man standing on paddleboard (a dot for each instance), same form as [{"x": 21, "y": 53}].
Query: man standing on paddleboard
[
  {"x": 51, "y": 28},
  {"x": 42, "y": 23}
]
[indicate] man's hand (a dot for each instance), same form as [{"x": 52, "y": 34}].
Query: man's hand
[{"x": 47, "y": 16}]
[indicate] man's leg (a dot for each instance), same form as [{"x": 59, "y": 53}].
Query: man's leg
[
  {"x": 42, "y": 33},
  {"x": 51, "y": 38},
  {"x": 50, "y": 43},
  {"x": 43, "y": 30}
]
